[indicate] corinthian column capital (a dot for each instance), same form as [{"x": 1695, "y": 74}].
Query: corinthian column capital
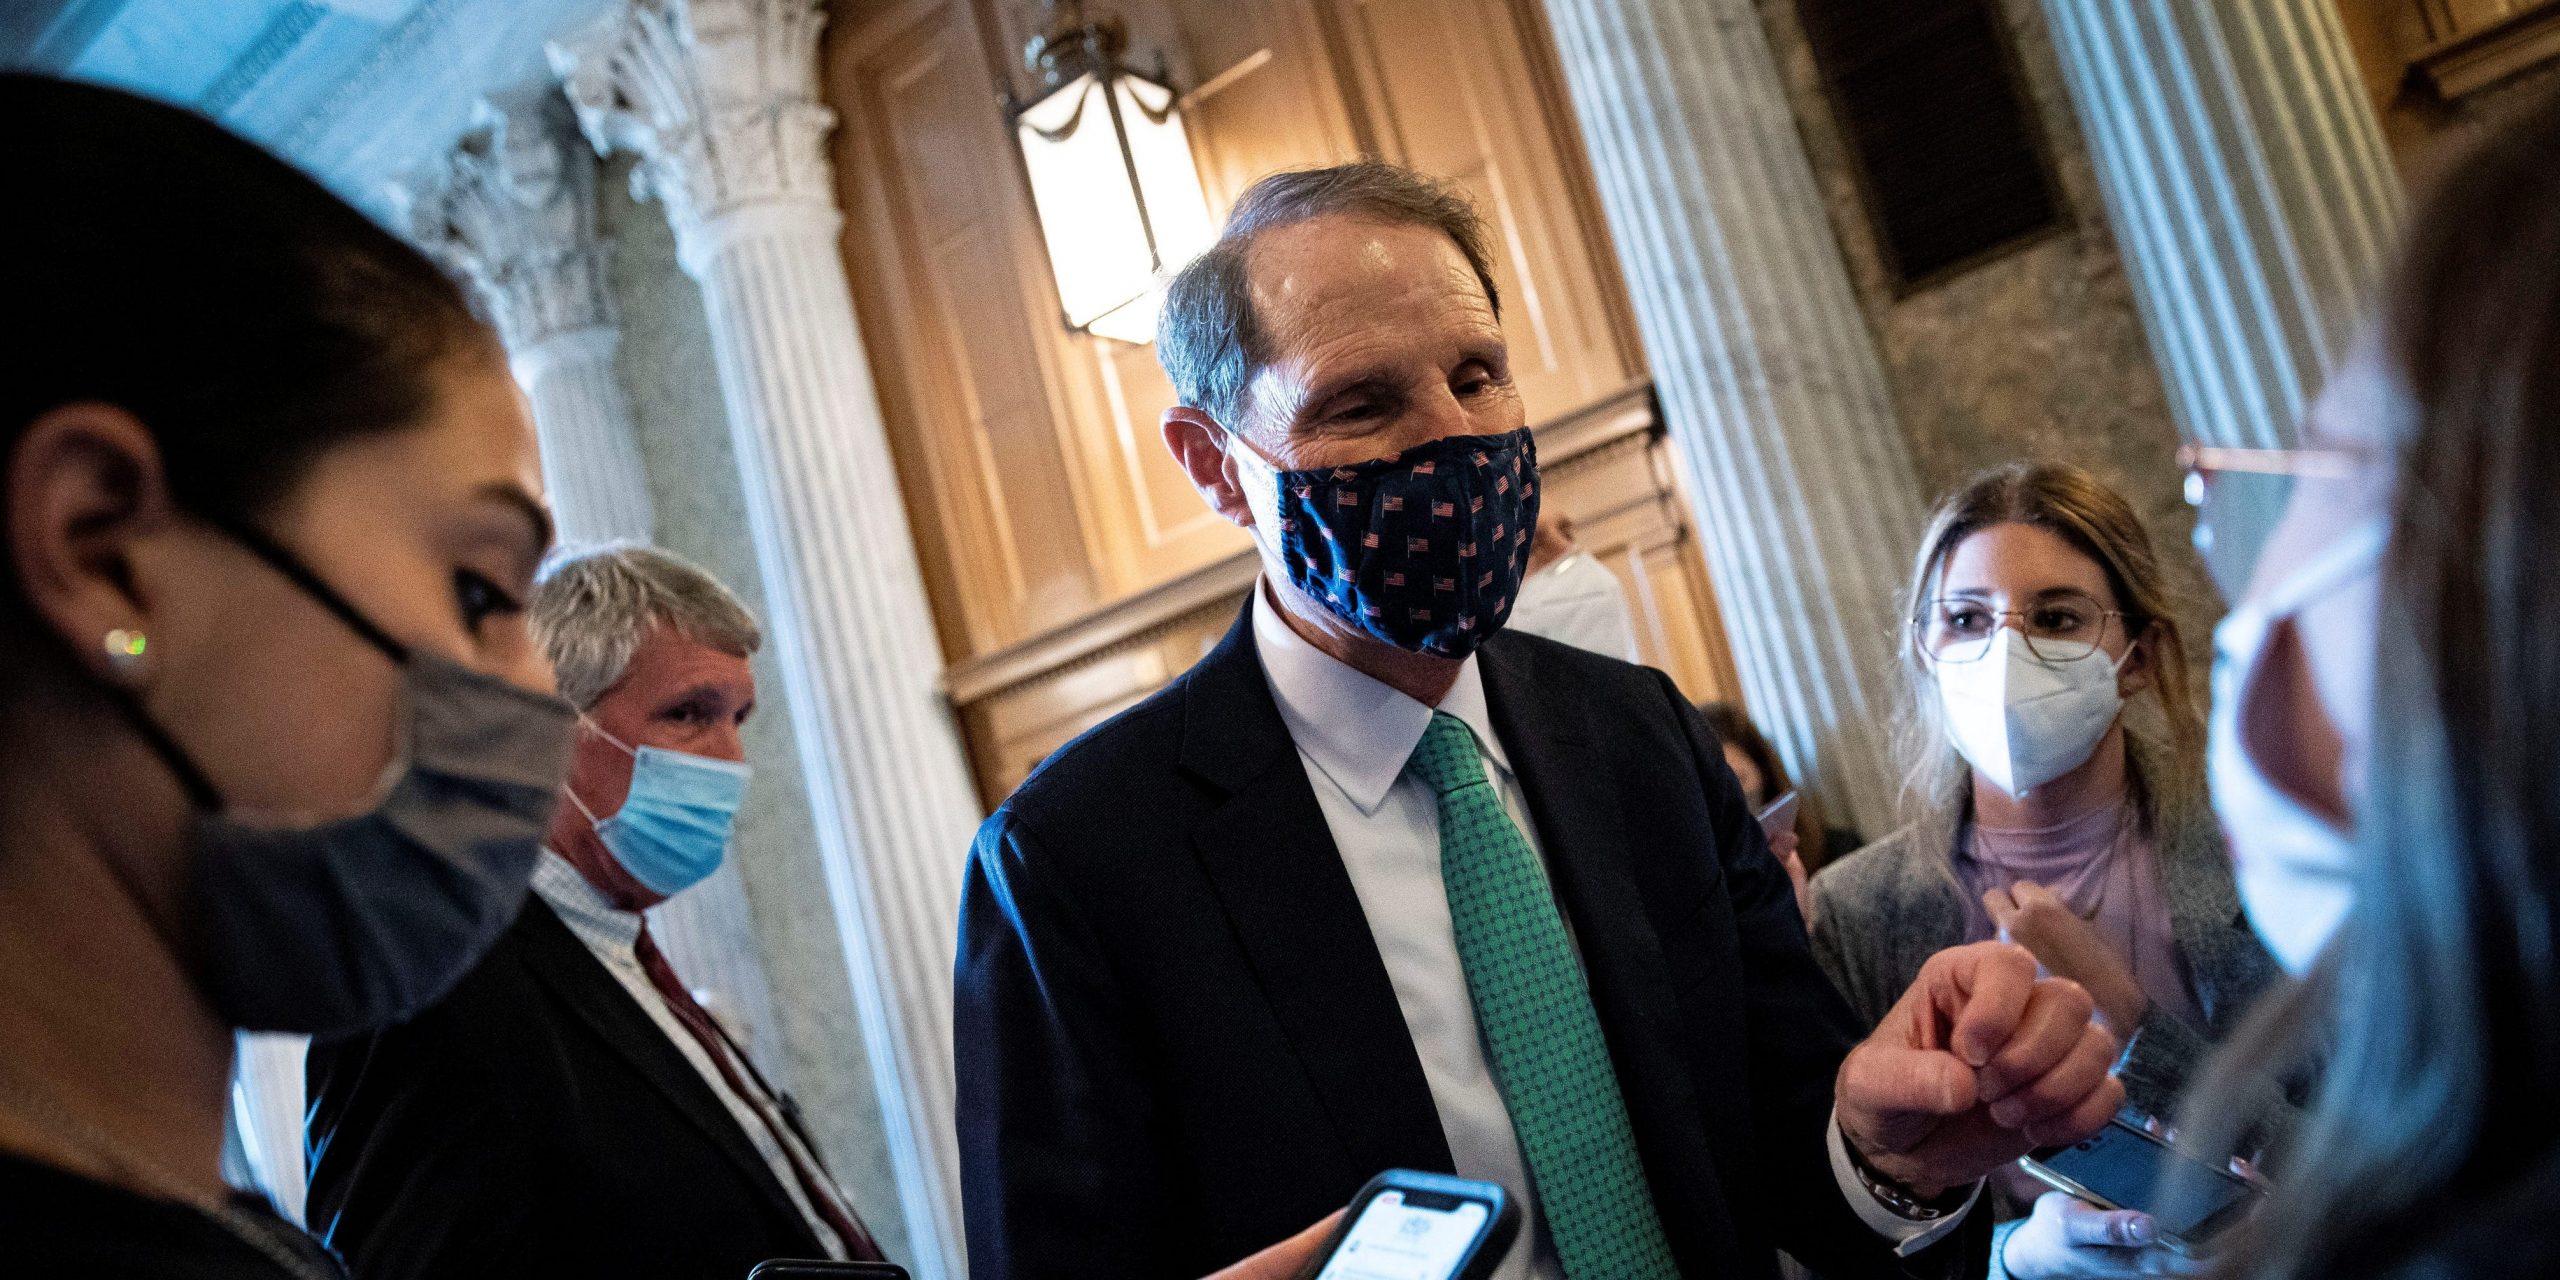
[
  {"x": 513, "y": 208},
  {"x": 719, "y": 99}
]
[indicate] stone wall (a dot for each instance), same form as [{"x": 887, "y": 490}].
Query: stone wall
[{"x": 2036, "y": 354}]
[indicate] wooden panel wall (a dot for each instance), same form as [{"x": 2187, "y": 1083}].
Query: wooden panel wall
[
  {"x": 1443, "y": 90},
  {"x": 1052, "y": 524},
  {"x": 957, "y": 315},
  {"x": 2433, "y": 66}
]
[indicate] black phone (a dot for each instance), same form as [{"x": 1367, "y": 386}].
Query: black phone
[
  {"x": 1409, "y": 1225},
  {"x": 2122, "y": 1166},
  {"x": 821, "y": 1269}
]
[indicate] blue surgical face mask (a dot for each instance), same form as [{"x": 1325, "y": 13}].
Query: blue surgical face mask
[
  {"x": 1424, "y": 550},
  {"x": 673, "y": 828}
]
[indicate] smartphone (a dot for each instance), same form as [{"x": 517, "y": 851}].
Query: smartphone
[
  {"x": 798, "y": 1269},
  {"x": 1409, "y": 1225},
  {"x": 1779, "y": 816},
  {"x": 2124, "y": 1167}
]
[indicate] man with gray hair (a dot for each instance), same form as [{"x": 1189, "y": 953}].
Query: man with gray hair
[
  {"x": 570, "y": 1109},
  {"x": 1381, "y": 884}
]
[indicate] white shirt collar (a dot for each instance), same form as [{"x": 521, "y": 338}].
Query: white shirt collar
[
  {"x": 1356, "y": 728},
  {"x": 583, "y": 907}
]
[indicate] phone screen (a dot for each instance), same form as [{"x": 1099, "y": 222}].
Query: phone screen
[
  {"x": 1402, "y": 1235},
  {"x": 2126, "y": 1166}
]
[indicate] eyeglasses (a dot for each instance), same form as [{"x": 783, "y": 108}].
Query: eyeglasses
[
  {"x": 2240, "y": 494},
  {"x": 2063, "y": 627}
]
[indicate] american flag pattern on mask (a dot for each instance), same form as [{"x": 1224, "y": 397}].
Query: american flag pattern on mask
[{"x": 1424, "y": 550}]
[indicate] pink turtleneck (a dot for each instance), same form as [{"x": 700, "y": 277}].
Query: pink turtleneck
[{"x": 2102, "y": 868}]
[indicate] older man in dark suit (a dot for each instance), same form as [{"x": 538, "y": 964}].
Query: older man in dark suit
[
  {"x": 1376, "y": 884},
  {"x": 570, "y": 1110}
]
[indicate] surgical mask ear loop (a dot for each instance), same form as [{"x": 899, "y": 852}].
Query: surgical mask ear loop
[
  {"x": 588, "y": 722},
  {"x": 2115, "y": 669},
  {"x": 572, "y": 794},
  {"x": 599, "y": 731},
  {"x": 1233, "y": 445}
]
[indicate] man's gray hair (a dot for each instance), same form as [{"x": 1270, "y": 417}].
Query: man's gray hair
[
  {"x": 592, "y": 606},
  {"x": 1208, "y": 338}
]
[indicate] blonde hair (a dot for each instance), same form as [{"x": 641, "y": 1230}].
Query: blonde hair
[{"x": 2164, "y": 728}]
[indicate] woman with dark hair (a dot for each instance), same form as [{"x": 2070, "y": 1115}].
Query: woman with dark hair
[
  {"x": 279, "y": 751},
  {"x": 1807, "y": 845},
  {"x": 2387, "y": 697},
  {"x": 2055, "y": 760}
]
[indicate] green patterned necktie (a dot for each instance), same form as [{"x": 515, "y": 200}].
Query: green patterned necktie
[{"x": 1533, "y": 1006}]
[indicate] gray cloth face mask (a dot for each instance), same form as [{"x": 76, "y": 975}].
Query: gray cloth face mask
[{"x": 366, "y": 921}]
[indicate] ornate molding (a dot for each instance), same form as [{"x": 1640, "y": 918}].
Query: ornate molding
[
  {"x": 282, "y": 35},
  {"x": 2469, "y": 61},
  {"x": 399, "y": 50},
  {"x": 717, "y": 97},
  {"x": 513, "y": 208}
]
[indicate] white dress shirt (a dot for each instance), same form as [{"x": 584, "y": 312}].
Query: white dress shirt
[
  {"x": 612, "y": 935},
  {"x": 1353, "y": 735}
]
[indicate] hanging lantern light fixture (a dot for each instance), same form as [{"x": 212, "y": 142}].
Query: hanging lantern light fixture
[{"x": 1111, "y": 174}]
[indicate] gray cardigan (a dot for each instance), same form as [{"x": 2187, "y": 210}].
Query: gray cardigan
[{"x": 1880, "y": 913}]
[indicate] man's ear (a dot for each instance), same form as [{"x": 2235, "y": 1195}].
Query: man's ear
[
  {"x": 82, "y": 485},
  {"x": 1199, "y": 445}
]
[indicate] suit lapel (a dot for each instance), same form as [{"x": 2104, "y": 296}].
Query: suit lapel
[
  {"x": 1583, "y": 834},
  {"x": 591, "y": 993},
  {"x": 1273, "y": 862}
]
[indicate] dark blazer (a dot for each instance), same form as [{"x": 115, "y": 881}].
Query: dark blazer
[
  {"x": 536, "y": 1123},
  {"x": 1177, "y": 1042}
]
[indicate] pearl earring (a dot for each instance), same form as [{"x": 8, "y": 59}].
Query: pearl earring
[{"x": 125, "y": 648}]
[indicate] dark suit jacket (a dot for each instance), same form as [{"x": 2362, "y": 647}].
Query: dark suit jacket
[
  {"x": 1177, "y": 1043},
  {"x": 537, "y": 1124}
]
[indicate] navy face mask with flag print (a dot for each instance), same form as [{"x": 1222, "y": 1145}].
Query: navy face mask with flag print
[{"x": 1424, "y": 550}]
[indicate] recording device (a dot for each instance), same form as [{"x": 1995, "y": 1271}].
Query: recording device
[
  {"x": 2123, "y": 1167},
  {"x": 1408, "y": 1225},
  {"x": 1779, "y": 816},
  {"x": 799, "y": 1269}
]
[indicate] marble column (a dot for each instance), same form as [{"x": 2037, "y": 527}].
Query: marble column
[
  {"x": 2250, "y": 188},
  {"x": 719, "y": 99},
  {"x": 1797, "y": 474},
  {"x": 512, "y": 208}
]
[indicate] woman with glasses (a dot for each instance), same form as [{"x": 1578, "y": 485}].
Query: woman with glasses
[{"x": 2055, "y": 757}]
